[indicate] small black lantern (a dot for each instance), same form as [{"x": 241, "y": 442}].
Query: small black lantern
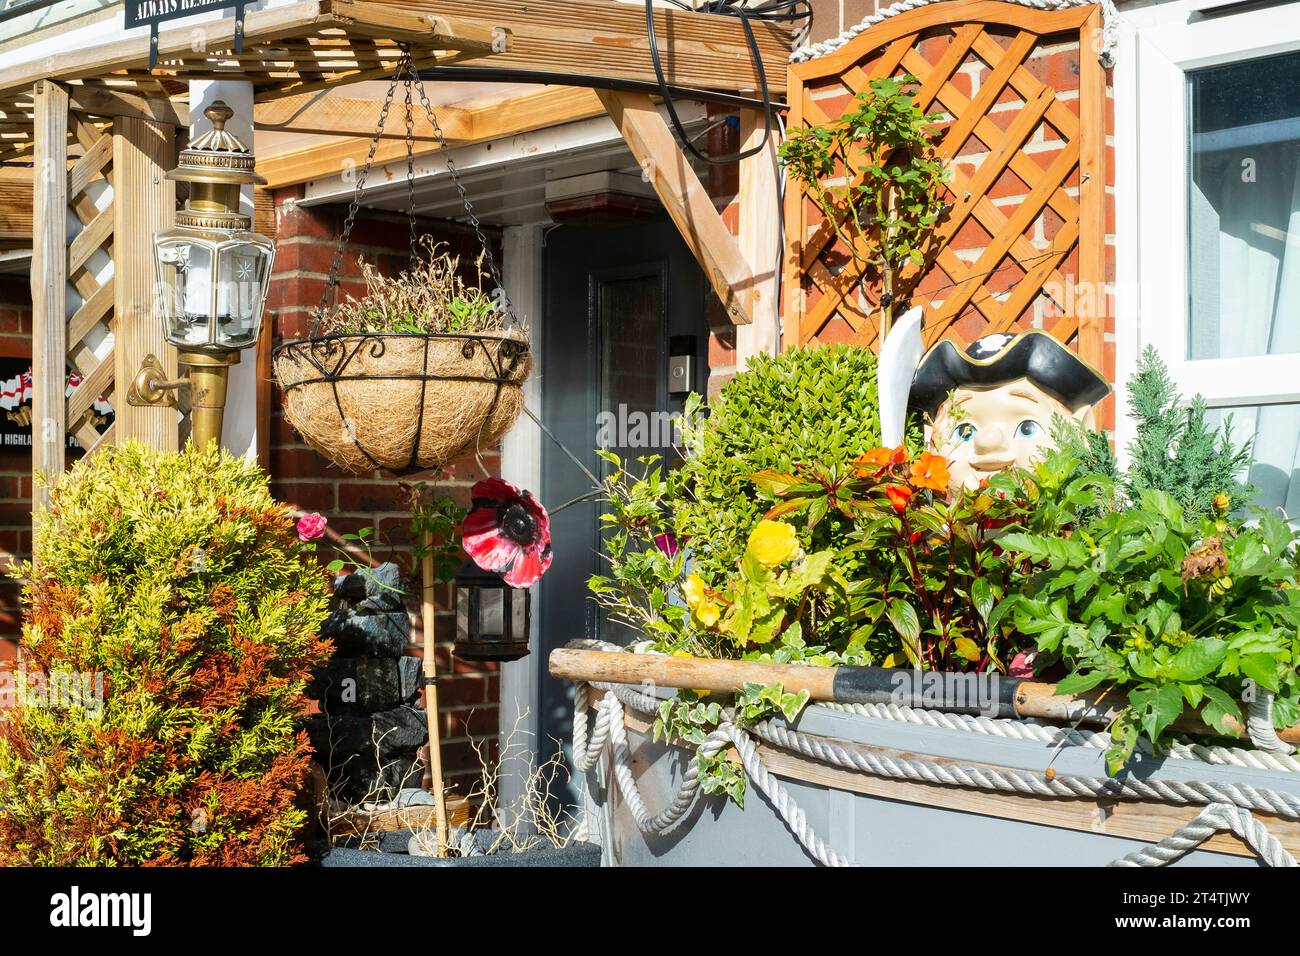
[{"x": 492, "y": 618}]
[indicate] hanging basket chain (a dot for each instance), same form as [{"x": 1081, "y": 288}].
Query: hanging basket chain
[
  {"x": 493, "y": 269},
  {"x": 351, "y": 217},
  {"x": 407, "y": 75},
  {"x": 410, "y": 158}
]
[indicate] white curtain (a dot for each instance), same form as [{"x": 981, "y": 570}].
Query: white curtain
[{"x": 1245, "y": 281}]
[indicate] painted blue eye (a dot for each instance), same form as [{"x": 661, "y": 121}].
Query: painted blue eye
[
  {"x": 1029, "y": 429},
  {"x": 964, "y": 432}
]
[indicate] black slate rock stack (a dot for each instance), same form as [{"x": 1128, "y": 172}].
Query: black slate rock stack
[{"x": 368, "y": 737}]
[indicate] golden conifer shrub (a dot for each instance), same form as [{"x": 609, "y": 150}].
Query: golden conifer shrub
[{"x": 171, "y": 620}]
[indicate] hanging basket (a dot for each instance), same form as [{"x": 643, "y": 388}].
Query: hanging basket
[{"x": 401, "y": 402}]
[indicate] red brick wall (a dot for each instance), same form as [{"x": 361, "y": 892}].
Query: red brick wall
[
  {"x": 305, "y": 243},
  {"x": 15, "y": 469},
  {"x": 833, "y": 17}
]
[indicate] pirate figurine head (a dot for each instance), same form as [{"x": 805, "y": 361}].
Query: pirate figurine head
[{"x": 992, "y": 405}]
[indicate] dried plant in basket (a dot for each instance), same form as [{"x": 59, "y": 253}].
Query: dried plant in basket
[{"x": 420, "y": 370}]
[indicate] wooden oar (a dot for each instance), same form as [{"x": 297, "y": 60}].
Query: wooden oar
[{"x": 961, "y": 693}]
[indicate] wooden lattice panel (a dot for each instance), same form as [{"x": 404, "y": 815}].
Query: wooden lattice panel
[
  {"x": 1019, "y": 98},
  {"x": 90, "y": 274}
]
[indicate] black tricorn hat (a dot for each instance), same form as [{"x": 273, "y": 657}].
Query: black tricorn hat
[{"x": 999, "y": 358}]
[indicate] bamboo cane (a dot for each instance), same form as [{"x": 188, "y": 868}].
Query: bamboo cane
[
  {"x": 431, "y": 694},
  {"x": 1010, "y": 697}
]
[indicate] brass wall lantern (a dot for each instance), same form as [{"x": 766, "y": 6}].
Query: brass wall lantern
[{"x": 213, "y": 274}]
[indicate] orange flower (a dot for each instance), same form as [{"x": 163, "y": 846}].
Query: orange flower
[
  {"x": 898, "y": 496},
  {"x": 930, "y": 471},
  {"x": 875, "y": 462}
]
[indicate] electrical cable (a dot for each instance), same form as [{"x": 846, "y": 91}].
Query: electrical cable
[{"x": 726, "y": 8}]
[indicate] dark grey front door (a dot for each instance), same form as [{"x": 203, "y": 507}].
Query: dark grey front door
[{"x": 616, "y": 298}]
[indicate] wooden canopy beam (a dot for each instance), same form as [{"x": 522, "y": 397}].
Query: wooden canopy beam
[
  {"x": 462, "y": 126},
  {"x": 667, "y": 169},
  {"x": 601, "y": 38}
]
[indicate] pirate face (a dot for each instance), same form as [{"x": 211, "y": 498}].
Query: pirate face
[
  {"x": 982, "y": 431},
  {"x": 992, "y": 405}
]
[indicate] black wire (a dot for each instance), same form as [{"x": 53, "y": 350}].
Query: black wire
[{"x": 766, "y": 11}]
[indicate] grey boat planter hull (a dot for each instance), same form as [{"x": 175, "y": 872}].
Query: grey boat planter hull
[{"x": 909, "y": 824}]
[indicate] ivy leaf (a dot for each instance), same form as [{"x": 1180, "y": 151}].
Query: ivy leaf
[
  {"x": 1221, "y": 711},
  {"x": 1157, "y": 707},
  {"x": 1262, "y": 669},
  {"x": 1196, "y": 659},
  {"x": 1078, "y": 683}
]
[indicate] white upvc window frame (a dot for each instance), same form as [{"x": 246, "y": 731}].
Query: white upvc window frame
[{"x": 1158, "y": 47}]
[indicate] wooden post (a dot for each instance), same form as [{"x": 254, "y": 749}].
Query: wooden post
[
  {"x": 144, "y": 201},
  {"x": 1092, "y": 296},
  {"x": 688, "y": 204},
  {"x": 760, "y": 226},
  {"x": 431, "y": 694},
  {"x": 49, "y": 283}
]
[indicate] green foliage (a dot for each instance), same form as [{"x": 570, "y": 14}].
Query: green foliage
[
  {"x": 1175, "y": 449},
  {"x": 435, "y": 294},
  {"x": 875, "y": 175},
  {"x": 804, "y": 405},
  {"x": 1181, "y": 614},
  {"x": 176, "y": 582},
  {"x": 930, "y": 565}
]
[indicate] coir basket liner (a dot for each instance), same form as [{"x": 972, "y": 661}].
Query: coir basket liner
[{"x": 402, "y": 402}]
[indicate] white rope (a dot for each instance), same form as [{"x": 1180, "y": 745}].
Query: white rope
[
  {"x": 1109, "y": 33},
  {"x": 1213, "y": 819},
  {"x": 1227, "y": 806},
  {"x": 1010, "y": 780},
  {"x": 1078, "y": 737},
  {"x": 1259, "y": 724},
  {"x": 610, "y": 730}
]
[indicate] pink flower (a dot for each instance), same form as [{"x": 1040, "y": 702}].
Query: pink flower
[
  {"x": 1022, "y": 665},
  {"x": 507, "y": 531},
  {"x": 667, "y": 543},
  {"x": 311, "y": 527}
]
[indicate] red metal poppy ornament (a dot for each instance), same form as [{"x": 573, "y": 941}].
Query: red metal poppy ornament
[{"x": 507, "y": 531}]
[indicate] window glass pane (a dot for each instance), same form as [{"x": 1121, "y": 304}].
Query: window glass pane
[
  {"x": 1244, "y": 209},
  {"x": 1274, "y": 434}
]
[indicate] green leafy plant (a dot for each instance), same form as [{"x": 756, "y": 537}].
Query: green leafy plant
[
  {"x": 431, "y": 296},
  {"x": 1175, "y": 449},
  {"x": 177, "y": 585},
  {"x": 1182, "y": 615},
  {"x": 876, "y": 177},
  {"x": 804, "y": 405},
  {"x": 930, "y": 566}
]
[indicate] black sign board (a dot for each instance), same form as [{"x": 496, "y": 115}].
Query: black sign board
[
  {"x": 16, "y": 405},
  {"x": 152, "y": 12}
]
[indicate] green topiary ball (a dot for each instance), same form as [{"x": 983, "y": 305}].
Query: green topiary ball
[
  {"x": 176, "y": 585},
  {"x": 805, "y": 406}
]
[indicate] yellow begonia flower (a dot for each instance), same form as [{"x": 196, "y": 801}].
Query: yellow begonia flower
[
  {"x": 697, "y": 598},
  {"x": 774, "y": 542}
]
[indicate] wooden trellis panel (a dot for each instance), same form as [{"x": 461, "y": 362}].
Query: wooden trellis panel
[
  {"x": 70, "y": 263},
  {"x": 1020, "y": 100},
  {"x": 90, "y": 273}
]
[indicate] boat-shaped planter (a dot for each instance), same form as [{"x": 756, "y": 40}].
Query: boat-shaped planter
[{"x": 868, "y": 774}]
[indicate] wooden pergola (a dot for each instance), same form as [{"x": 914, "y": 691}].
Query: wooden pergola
[{"x": 102, "y": 117}]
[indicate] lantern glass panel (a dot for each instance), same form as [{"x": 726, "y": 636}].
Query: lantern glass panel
[
  {"x": 214, "y": 286},
  {"x": 491, "y": 613},
  {"x": 243, "y": 269}
]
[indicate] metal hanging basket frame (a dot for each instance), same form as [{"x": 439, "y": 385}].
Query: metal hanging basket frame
[{"x": 403, "y": 402}]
